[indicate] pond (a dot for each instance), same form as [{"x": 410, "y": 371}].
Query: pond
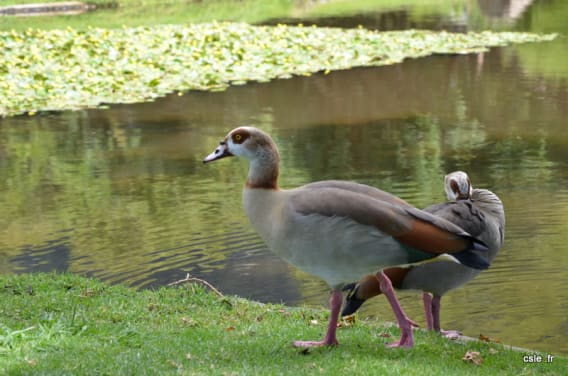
[{"x": 121, "y": 193}]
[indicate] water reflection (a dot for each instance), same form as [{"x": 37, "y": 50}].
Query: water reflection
[
  {"x": 507, "y": 9},
  {"x": 457, "y": 17},
  {"x": 121, "y": 194}
]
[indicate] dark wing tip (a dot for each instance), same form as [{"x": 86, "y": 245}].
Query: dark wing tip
[
  {"x": 475, "y": 257},
  {"x": 352, "y": 304}
]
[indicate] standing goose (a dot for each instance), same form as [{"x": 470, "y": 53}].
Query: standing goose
[
  {"x": 477, "y": 211},
  {"x": 340, "y": 231}
]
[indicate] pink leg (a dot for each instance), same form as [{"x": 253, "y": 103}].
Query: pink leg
[
  {"x": 436, "y": 312},
  {"x": 404, "y": 323},
  {"x": 427, "y": 299},
  {"x": 436, "y": 306},
  {"x": 335, "y": 303}
]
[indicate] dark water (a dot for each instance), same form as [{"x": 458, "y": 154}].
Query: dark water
[{"x": 121, "y": 194}]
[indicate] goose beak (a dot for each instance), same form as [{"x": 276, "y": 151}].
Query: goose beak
[{"x": 222, "y": 151}]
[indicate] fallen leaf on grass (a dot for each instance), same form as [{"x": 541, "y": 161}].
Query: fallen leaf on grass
[
  {"x": 346, "y": 322},
  {"x": 32, "y": 362},
  {"x": 283, "y": 312},
  {"x": 473, "y": 357},
  {"x": 175, "y": 364},
  {"x": 152, "y": 307},
  {"x": 230, "y": 329},
  {"x": 188, "y": 321},
  {"x": 87, "y": 293},
  {"x": 485, "y": 338}
]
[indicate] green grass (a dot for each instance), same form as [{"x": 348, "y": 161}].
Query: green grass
[
  {"x": 68, "y": 325},
  {"x": 18, "y": 2},
  {"x": 132, "y": 13},
  {"x": 151, "y": 12}
]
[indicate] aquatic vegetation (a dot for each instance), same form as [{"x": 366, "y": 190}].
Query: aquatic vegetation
[{"x": 51, "y": 70}]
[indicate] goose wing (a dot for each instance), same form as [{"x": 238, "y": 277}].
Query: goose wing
[{"x": 417, "y": 229}]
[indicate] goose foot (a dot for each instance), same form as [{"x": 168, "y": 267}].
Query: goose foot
[
  {"x": 310, "y": 344},
  {"x": 330, "y": 338},
  {"x": 432, "y": 306},
  {"x": 405, "y": 341},
  {"x": 405, "y": 324}
]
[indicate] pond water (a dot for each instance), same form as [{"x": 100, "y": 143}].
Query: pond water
[{"x": 121, "y": 193}]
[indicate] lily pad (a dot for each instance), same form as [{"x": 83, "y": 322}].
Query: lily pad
[{"x": 47, "y": 70}]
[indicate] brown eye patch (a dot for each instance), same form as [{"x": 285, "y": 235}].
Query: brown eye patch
[
  {"x": 239, "y": 136},
  {"x": 455, "y": 187}
]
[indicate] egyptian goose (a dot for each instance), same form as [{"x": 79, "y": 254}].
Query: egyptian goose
[
  {"x": 340, "y": 231},
  {"x": 479, "y": 212}
]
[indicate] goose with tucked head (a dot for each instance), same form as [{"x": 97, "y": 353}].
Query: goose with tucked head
[
  {"x": 479, "y": 212},
  {"x": 340, "y": 231}
]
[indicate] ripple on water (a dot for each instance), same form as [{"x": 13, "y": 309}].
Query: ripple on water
[{"x": 201, "y": 255}]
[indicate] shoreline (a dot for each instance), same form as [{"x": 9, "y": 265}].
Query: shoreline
[{"x": 47, "y": 9}]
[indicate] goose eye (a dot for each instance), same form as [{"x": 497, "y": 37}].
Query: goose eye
[{"x": 239, "y": 138}]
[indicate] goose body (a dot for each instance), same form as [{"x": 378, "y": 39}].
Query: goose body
[
  {"x": 345, "y": 248},
  {"x": 477, "y": 211},
  {"x": 311, "y": 229},
  {"x": 340, "y": 231},
  {"x": 483, "y": 217}
]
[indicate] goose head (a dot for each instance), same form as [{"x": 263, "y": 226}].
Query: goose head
[
  {"x": 457, "y": 186},
  {"x": 257, "y": 147}
]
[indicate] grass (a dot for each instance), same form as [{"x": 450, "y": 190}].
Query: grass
[
  {"x": 132, "y": 13},
  {"x": 118, "y": 13},
  {"x": 53, "y": 324}
]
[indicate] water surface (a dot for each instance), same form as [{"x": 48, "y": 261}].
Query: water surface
[{"x": 121, "y": 194}]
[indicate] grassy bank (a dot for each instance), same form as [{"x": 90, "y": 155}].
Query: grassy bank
[
  {"x": 131, "y": 13},
  {"x": 64, "y": 324}
]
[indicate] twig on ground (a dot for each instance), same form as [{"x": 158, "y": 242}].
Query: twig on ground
[{"x": 188, "y": 278}]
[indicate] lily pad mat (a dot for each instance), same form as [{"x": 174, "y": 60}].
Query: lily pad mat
[{"x": 51, "y": 70}]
